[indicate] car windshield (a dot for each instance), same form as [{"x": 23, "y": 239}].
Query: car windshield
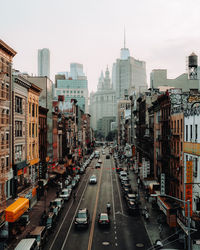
[
  {"x": 49, "y": 221},
  {"x": 81, "y": 215}
]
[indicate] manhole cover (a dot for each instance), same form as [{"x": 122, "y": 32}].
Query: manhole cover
[
  {"x": 139, "y": 245},
  {"x": 105, "y": 243}
]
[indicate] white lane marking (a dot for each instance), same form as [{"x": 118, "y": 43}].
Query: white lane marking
[
  {"x": 115, "y": 237},
  {"x": 113, "y": 202},
  {"x": 65, "y": 217}
]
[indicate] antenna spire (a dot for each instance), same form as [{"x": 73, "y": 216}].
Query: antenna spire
[{"x": 124, "y": 38}]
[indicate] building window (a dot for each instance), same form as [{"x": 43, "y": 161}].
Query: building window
[
  {"x": 190, "y": 132},
  {"x": 29, "y": 129},
  {"x": 178, "y": 126},
  {"x": 36, "y": 110},
  {"x": 174, "y": 126},
  {"x": 195, "y": 165},
  {"x": 181, "y": 125},
  {"x": 18, "y": 128},
  {"x": 18, "y": 153},
  {"x": 196, "y": 131},
  {"x": 29, "y": 108},
  {"x": 186, "y": 134},
  {"x": 33, "y": 134},
  {"x": 33, "y": 109},
  {"x": 18, "y": 104},
  {"x": 177, "y": 147}
]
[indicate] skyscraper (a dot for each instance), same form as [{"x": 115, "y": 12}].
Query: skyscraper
[
  {"x": 128, "y": 74},
  {"x": 44, "y": 62}
]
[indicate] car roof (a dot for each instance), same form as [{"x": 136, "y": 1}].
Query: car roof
[
  {"x": 103, "y": 214},
  {"x": 93, "y": 175},
  {"x": 82, "y": 210},
  {"x": 37, "y": 230}
]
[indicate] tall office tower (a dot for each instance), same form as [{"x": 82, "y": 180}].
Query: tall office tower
[
  {"x": 76, "y": 71},
  {"x": 128, "y": 74},
  {"x": 44, "y": 62},
  {"x": 73, "y": 87}
]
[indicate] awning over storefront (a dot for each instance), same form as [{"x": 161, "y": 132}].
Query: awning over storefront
[
  {"x": 15, "y": 210},
  {"x": 168, "y": 210},
  {"x": 59, "y": 170}
]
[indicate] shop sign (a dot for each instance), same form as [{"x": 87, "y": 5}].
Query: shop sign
[
  {"x": 162, "y": 184},
  {"x": 188, "y": 187},
  {"x": 20, "y": 172}
]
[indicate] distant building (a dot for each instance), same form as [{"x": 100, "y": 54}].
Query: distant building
[
  {"x": 44, "y": 62},
  {"x": 73, "y": 87},
  {"x": 186, "y": 81},
  {"x": 102, "y": 102},
  {"x": 128, "y": 73}
]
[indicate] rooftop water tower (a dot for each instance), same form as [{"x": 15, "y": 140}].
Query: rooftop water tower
[{"x": 192, "y": 66}]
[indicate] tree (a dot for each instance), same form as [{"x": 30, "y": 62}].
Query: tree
[{"x": 112, "y": 135}]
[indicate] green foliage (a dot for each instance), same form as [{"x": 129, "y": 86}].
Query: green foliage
[{"x": 112, "y": 135}]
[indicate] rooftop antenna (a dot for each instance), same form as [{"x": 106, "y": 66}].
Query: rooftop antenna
[{"x": 124, "y": 38}]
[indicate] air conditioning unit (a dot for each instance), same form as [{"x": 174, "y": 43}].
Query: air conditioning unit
[{"x": 195, "y": 174}]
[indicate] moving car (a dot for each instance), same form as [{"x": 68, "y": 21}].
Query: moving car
[
  {"x": 100, "y": 161},
  {"x": 107, "y": 156},
  {"x": 103, "y": 220},
  {"x": 82, "y": 218},
  {"x": 93, "y": 179},
  {"x": 28, "y": 244},
  {"x": 65, "y": 194},
  {"x": 98, "y": 165}
]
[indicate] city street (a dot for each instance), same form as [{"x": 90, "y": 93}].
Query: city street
[{"x": 125, "y": 232}]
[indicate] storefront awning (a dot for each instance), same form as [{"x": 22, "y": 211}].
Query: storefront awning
[
  {"x": 58, "y": 170},
  {"x": 15, "y": 210}
]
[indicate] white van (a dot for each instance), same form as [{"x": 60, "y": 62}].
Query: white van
[{"x": 27, "y": 244}]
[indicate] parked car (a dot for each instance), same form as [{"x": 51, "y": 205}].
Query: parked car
[
  {"x": 103, "y": 220},
  {"x": 28, "y": 244},
  {"x": 51, "y": 221},
  {"x": 54, "y": 209},
  {"x": 58, "y": 202},
  {"x": 100, "y": 161},
  {"x": 82, "y": 218},
  {"x": 82, "y": 170},
  {"x": 93, "y": 179},
  {"x": 40, "y": 234},
  {"x": 65, "y": 194},
  {"x": 74, "y": 183}
]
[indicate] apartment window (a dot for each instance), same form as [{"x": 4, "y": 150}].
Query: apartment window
[
  {"x": 196, "y": 131},
  {"x": 33, "y": 134},
  {"x": 36, "y": 130},
  {"x": 7, "y": 161},
  {"x": 190, "y": 132},
  {"x": 18, "y": 153},
  {"x": 29, "y": 129},
  {"x": 18, "y": 104},
  {"x": 18, "y": 128},
  {"x": 175, "y": 126},
  {"x": 195, "y": 165},
  {"x": 181, "y": 125},
  {"x": 30, "y": 108},
  {"x": 75, "y": 91},
  {"x": 186, "y": 132},
  {"x": 33, "y": 110},
  {"x": 178, "y": 126},
  {"x": 177, "y": 147},
  {"x": 36, "y": 110},
  {"x": 186, "y": 158},
  {"x": 78, "y": 92},
  {"x": 181, "y": 147}
]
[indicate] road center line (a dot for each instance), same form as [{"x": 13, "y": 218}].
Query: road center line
[{"x": 94, "y": 213}]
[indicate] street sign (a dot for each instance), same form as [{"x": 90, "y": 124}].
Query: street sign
[{"x": 162, "y": 184}]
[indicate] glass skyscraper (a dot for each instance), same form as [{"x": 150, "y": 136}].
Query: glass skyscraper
[{"x": 44, "y": 62}]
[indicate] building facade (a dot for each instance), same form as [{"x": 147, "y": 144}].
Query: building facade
[
  {"x": 20, "y": 91},
  {"x": 6, "y": 57}
]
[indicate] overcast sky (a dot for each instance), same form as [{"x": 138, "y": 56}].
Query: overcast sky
[{"x": 160, "y": 32}]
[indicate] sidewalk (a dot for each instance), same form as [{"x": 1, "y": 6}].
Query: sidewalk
[
  {"x": 35, "y": 215},
  {"x": 155, "y": 229}
]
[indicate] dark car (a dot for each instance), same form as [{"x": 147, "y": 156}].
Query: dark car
[
  {"x": 98, "y": 165},
  {"x": 51, "y": 221},
  {"x": 126, "y": 188},
  {"x": 118, "y": 169},
  {"x": 132, "y": 203},
  {"x": 107, "y": 156},
  {"x": 103, "y": 220},
  {"x": 82, "y": 218}
]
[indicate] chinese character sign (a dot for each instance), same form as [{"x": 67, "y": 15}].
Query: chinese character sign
[{"x": 188, "y": 187}]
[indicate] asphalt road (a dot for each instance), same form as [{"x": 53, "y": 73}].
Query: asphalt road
[{"x": 125, "y": 233}]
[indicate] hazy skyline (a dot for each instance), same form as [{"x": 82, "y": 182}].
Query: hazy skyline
[{"x": 161, "y": 33}]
